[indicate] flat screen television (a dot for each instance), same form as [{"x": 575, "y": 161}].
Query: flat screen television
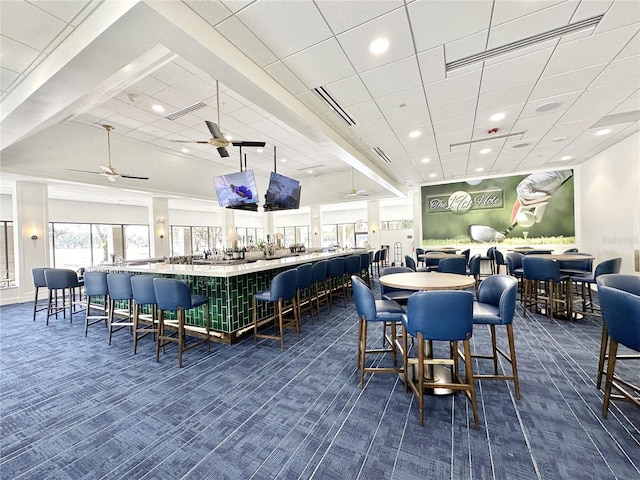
[
  {"x": 283, "y": 193},
  {"x": 237, "y": 190}
]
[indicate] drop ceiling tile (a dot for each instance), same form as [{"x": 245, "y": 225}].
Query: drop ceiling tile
[
  {"x": 458, "y": 124},
  {"x": 285, "y": 77},
  {"x": 246, "y": 41},
  {"x": 286, "y": 31},
  {"x": 432, "y": 65},
  {"x": 212, "y": 12},
  {"x": 335, "y": 65},
  {"x": 392, "y": 26},
  {"x": 429, "y": 29},
  {"x": 352, "y": 13},
  {"x": 349, "y": 91},
  {"x": 414, "y": 120},
  {"x": 516, "y": 71},
  {"x": 365, "y": 111},
  {"x": 451, "y": 89},
  {"x": 621, "y": 13},
  {"x": 168, "y": 126},
  {"x": 538, "y": 126},
  {"x": 61, "y": 37},
  {"x": 392, "y": 78},
  {"x": 566, "y": 101},
  {"x": 627, "y": 68},
  {"x": 532, "y": 24},
  {"x": 7, "y": 78},
  {"x": 17, "y": 56},
  {"x": 589, "y": 51},
  {"x": 632, "y": 48},
  {"x": 459, "y": 108},
  {"x": 367, "y": 130},
  {"x": 311, "y": 100},
  {"x": 507, "y": 10},
  {"x": 508, "y": 96},
  {"x": 149, "y": 85},
  {"x": 195, "y": 88},
  {"x": 29, "y": 25},
  {"x": 65, "y": 11},
  {"x": 466, "y": 46},
  {"x": 402, "y": 102},
  {"x": 575, "y": 80},
  {"x": 123, "y": 124},
  {"x": 110, "y": 107}
]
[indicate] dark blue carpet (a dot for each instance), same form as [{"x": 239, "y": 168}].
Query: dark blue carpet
[{"x": 74, "y": 407}]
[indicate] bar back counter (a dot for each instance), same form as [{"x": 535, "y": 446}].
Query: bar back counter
[{"x": 230, "y": 288}]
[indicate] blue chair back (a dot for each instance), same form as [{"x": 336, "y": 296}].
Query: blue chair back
[
  {"x": 352, "y": 264},
  {"x": 514, "y": 262},
  {"x": 585, "y": 266},
  {"x": 474, "y": 264},
  {"x": 143, "y": 290},
  {"x": 499, "y": 257},
  {"x": 364, "y": 261},
  {"x": 410, "y": 262},
  {"x": 364, "y": 299},
  {"x": 570, "y": 250},
  {"x": 388, "y": 271},
  {"x": 500, "y": 291},
  {"x": 621, "y": 314},
  {"x": 540, "y": 269},
  {"x": 608, "y": 267},
  {"x": 304, "y": 275},
  {"x": 319, "y": 271},
  {"x": 445, "y": 315},
  {"x": 95, "y": 283},
  {"x": 38, "y": 277},
  {"x": 284, "y": 285},
  {"x": 467, "y": 254},
  {"x": 120, "y": 286},
  {"x": 172, "y": 294},
  {"x": 335, "y": 267},
  {"x": 59, "y": 278},
  {"x": 628, "y": 283},
  {"x": 453, "y": 265}
]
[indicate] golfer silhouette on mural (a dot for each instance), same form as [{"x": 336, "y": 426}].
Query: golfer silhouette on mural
[
  {"x": 534, "y": 193},
  {"x": 242, "y": 191}
]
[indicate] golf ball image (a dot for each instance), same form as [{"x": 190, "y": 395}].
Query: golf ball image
[
  {"x": 526, "y": 219},
  {"x": 460, "y": 202}
]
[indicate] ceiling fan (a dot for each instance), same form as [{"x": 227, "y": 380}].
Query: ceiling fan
[
  {"x": 354, "y": 192},
  {"x": 110, "y": 171},
  {"x": 219, "y": 139}
]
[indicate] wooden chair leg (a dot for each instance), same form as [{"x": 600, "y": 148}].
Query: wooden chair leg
[
  {"x": 604, "y": 338},
  {"x": 613, "y": 351}
]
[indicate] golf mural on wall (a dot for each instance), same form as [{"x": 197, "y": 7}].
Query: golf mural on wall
[{"x": 537, "y": 208}]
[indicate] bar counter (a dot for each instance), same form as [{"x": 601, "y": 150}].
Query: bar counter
[{"x": 230, "y": 288}]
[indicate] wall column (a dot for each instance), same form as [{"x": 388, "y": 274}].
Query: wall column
[
  {"x": 373, "y": 222},
  {"x": 316, "y": 227},
  {"x": 159, "y": 227}
]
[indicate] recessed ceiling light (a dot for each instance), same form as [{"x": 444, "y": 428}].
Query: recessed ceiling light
[
  {"x": 259, "y": 150},
  {"x": 379, "y": 46},
  {"x": 479, "y": 169},
  {"x": 565, "y": 158},
  {"x": 310, "y": 171},
  {"x": 431, "y": 175},
  {"x": 521, "y": 145},
  {"x": 603, "y": 132},
  {"x": 548, "y": 107},
  {"x": 415, "y": 134},
  {"x": 559, "y": 139},
  {"x": 185, "y": 150},
  {"x": 283, "y": 160},
  {"x": 496, "y": 117},
  {"x": 484, "y": 151},
  {"x": 157, "y": 108},
  {"x": 228, "y": 137},
  {"x": 426, "y": 160}
]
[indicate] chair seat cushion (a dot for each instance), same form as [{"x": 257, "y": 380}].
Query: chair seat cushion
[
  {"x": 400, "y": 296},
  {"x": 486, "y": 314},
  {"x": 263, "y": 296},
  {"x": 197, "y": 300},
  {"x": 389, "y": 307}
]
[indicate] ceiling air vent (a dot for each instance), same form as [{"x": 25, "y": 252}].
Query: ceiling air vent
[
  {"x": 184, "y": 111},
  {"x": 525, "y": 42},
  {"x": 381, "y": 154},
  {"x": 485, "y": 139},
  {"x": 335, "y": 106}
]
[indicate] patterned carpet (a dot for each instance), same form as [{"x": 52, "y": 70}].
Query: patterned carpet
[{"x": 73, "y": 407}]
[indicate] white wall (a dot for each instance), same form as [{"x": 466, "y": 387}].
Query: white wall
[
  {"x": 88, "y": 212},
  {"x": 608, "y": 203}
]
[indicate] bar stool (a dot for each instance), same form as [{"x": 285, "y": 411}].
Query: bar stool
[
  {"x": 283, "y": 289},
  {"x": 144, "y": 294},
  {"x": 67, "y": 281},
  {"x": 120, "y": 291},
  {"x": 544, "y": 285},
  {"x": 304, "y": 299},
  {"x": 38, "y": 282},
  {"x": 175, "y": 296},
  {"x": 351, "y": 267},
  {"x": 96, "y": 287},
  {"x": 364, "y": 268},
  {"x": 318, "y": 283},
  {"x": 456, "y": 265},
  {"x": 336, "y": 276}
]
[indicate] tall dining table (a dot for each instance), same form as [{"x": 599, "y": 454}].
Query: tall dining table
[{"x": 424, "y": 281}]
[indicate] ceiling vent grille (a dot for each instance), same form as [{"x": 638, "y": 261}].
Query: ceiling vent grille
[
  {"x": 485, "y": 139},
  {"x": 184, "y": 111},
  {"x": 381, "y": 154},
  {"x": 526, "y": 42},
  {"x": 335, "y": 106}
]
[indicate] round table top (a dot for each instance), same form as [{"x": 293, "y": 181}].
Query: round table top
[
  {"x": 531, "y": 250},
  {"x": 563, "y": 257},
  {"x": 427, "y": 281},
  {"x": 441, "y": 249},
  {"x": 438, "y": 255}
]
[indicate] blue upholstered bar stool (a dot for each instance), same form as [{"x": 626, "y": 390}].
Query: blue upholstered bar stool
[
  {"x": 514, "y": 268},
  {"x": 364, "y": 268},
  {"x": 319, "y": 284},
  {"x": 281, "y": 292},
  {"x": 621, "y": 314},
  {"x": 496, "y": 305},
  {"x": 336, "y": 277},
  {"x": 175, "y": 296},
  {"x": 473, "y": 269},
  {"x": 456, "y": 265},
  {"x": 38, "y": 282},
  {"x": 544, "y": 285},
  {"x": 304, "y": 296},
  {"x": 96, "y": 288},
  {"x": 588, "y": 279},
  {"x": 120, "y": 293},
  {"x": 65, "y": 281},
  {"x": 144, "y": 295},
  {"x": 410, "y": 262},
  {"x": 375, "y": 263},
  {"x": 627, "y": 283},
  {"x": 351, "y": 267},
  {"x": 443, "y": 315},
  {"x": 399, "y": 295},
  {"x": 498, "y": 259},
  {"x": 371, "y": 310}
]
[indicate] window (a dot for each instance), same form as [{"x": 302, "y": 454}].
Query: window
[
  {"x": 136, "y": 242},
  {"x": 7, "y": 258},
  {"x": 295, "y": 235},
  {"x": 396, "y": 225},
  {"x": 347, "y": 235},
  {"x": 194, "y": 240}
]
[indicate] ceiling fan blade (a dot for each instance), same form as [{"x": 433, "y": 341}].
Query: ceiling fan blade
[
  {"x": 133, "y": 176},
  {"x": 223, "y": 152},
  {"x": 213, "y": 128},
  {"x": 246, "y": 143},
  {"x": 206, "y": 142},
  {"x": 83, "y": 171}
]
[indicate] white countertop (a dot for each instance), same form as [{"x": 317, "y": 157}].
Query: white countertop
[{"x": 226, "y": 271}]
